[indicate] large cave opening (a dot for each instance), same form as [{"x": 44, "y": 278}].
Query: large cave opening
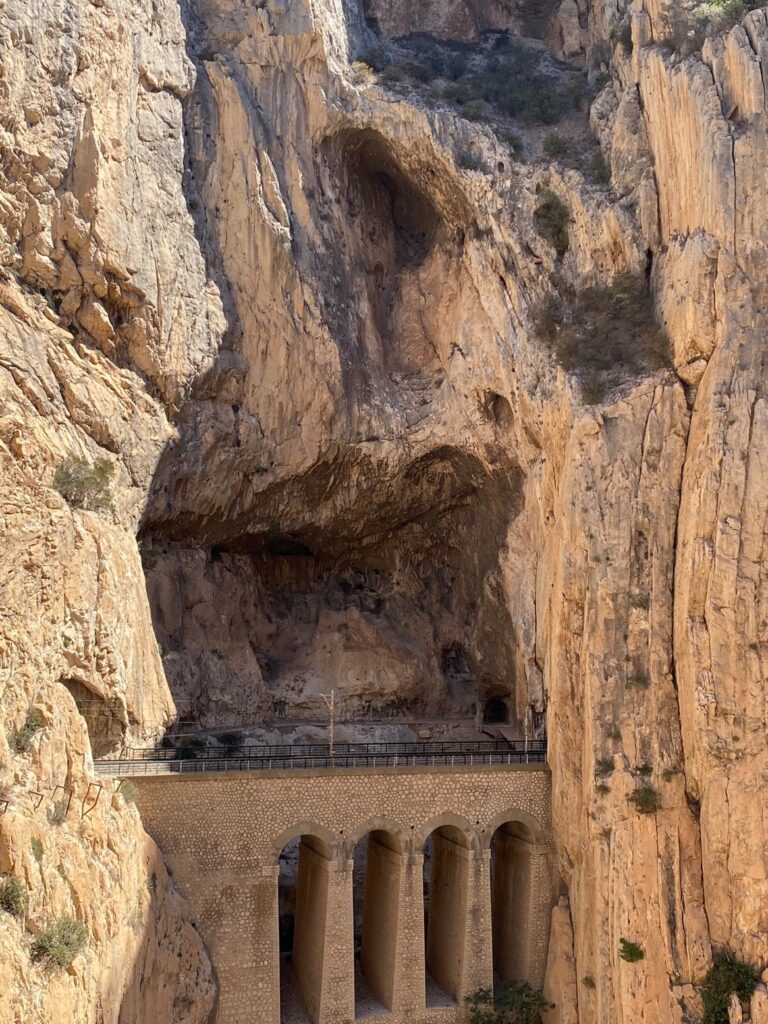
[{"x": 385, "y": 592}]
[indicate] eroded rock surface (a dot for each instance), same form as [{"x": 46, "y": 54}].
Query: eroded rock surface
[{"x": 296, "y": 309}]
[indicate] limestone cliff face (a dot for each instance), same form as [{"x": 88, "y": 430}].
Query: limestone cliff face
[{"x": 295, "y": 307}]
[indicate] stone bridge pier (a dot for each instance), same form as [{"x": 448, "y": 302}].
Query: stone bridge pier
[{"x": 411, "y": 888}]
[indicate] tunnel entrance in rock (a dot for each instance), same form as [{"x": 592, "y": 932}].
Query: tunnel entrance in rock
[{"x": 495, "y": 711}]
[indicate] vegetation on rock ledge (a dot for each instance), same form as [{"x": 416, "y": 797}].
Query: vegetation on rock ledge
[
  {"x": 727, "y": 975},
  {"x": 516, "y": 1003},
  {"x": 83, "y": 484},
  {"x": 603, "y": 335},
  {"x": 61, "y": 942}
]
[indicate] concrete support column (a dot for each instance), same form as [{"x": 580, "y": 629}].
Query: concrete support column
[
  {"x": 309, "y": 936},
  {"x": 539, "y": 908},
  {"x": 338, "y": 990},
  {"x": 240, "y": 924},
  {"x": 381, "y": 914},
  {"x": 478, "y": 964},
  {"x": 409, "y": 995},
  {"x": 448, "y": 914}
]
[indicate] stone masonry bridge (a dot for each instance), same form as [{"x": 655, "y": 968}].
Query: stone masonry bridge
[{"x": 407, "y": 886}]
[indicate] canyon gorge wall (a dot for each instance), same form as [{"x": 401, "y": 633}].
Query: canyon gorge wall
[{"x": 296, "y": 309}]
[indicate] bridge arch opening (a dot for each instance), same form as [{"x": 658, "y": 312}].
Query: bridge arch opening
[
  {"x": 447, "y": 857},
  {"x": 377, "y": 883},
  {"x": 512, "y": 847},
  {"x": 304, "y": 865}
]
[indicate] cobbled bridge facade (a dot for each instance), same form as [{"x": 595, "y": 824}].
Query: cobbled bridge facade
[{"x": 492, "y": 880}]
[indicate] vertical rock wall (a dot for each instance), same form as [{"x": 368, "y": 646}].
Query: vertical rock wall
[{"x": 187, "y": 196}]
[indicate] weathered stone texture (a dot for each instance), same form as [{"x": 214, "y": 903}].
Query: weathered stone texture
[{"x": 222, "y": 836}]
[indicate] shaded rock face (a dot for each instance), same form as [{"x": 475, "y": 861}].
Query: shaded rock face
[
  {"x": 296, "y": 311},
  {"x": 460, "y": 19}
]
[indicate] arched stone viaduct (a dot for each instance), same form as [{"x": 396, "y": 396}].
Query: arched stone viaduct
[{"x": 491, "y": 884}]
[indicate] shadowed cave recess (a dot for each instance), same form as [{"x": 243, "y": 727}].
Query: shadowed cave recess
[{"x": 375, "y": 572}]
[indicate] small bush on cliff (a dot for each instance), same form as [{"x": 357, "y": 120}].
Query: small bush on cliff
[
  {"x": 726, "y": 975},
  {"x": 603, "y": 335},
  {"x": 692, "y": 21},
  {"x": 551, "y": 219},
  {"x": 20, "y": 740},
  {"x": 61, "y": 942},
  {"x": 13, "y": 897},
  {"x": 604, "y": 766},
  {"x": 85, "y": 484},
  {"x": 630, "y": 951},
  {"x": 645, "y": 799},
  {"x": 516, "y": 1003}
]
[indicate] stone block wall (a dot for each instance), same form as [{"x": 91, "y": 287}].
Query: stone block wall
[{"x": 222, "y": 835}]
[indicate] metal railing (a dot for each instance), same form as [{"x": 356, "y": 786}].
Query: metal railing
[
  {"x": 296, "y": 760},
  {"x": 184, "y": 752}
]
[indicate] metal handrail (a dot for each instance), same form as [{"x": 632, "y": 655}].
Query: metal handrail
[
  {"x": 338, "y": 760},
  {"x": 219, "y": 751}
]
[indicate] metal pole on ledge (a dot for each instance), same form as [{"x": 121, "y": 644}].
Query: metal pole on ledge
[{"x": 330, "y": 703}]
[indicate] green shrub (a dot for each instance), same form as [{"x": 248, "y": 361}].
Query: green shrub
[
  {"x": 375, "y": 57},
  {"x": 555, "y": 146},
  {"x": 516, "y": 1003},
  {"x": 630, "y": 951},
  {"x": 588, "y": 981},
  {"x": 36, "y": 847},
  {"x": 421, "y": 72},
  {"x": 645, "y": 770},
  {"x": 693, "y": 20},
  {"x": 602, "y": 335},
  {"x": 456, "y": 64},
  {"x": 602, "y": 788},
  {"x": 727, "y": 975},
  {"x": 13, "y": 897},
  {"x": 640, "y": 600},
  {"x": 20, "y": 740},
  {"x": 600, "y": 55},
  {"x": 598, "y": 169},
  {"x": 515, "y": 143},
  {"x": 551, "y": 219},
  {"x": 85, "y": 484},
  {"x": 57, "y": 814},
  {"x": 457, "y": 92},
  {"x": 392, "y": 73},
  {"x": 604, "y": 766},
  {"x": 645, "y": 799},
  {"x": 475, "y": 110},
  {"x": 231, "y": 741},
  {"x": 61, "y": 942}
]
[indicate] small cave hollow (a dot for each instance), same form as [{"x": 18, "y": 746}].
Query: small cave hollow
[{"x": 497, "y": 410}]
